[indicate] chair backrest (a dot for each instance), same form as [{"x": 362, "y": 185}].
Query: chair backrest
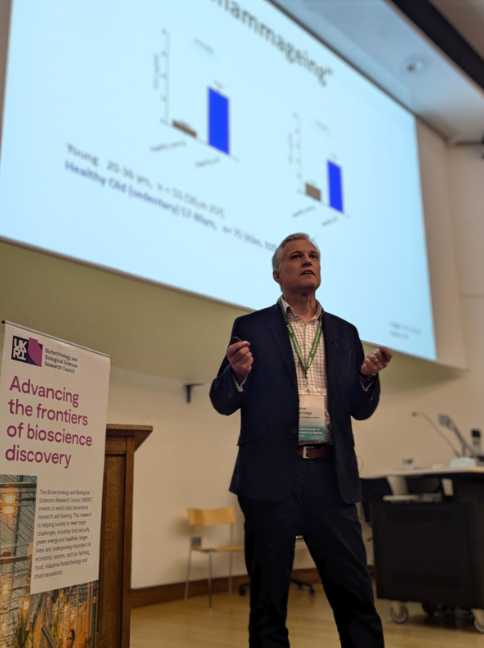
[
  {"x": 211, "y": 517},
  {"x": 424, "y": 484}
]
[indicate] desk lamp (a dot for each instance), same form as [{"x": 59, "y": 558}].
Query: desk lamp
[{"x": 464, "y": 460}]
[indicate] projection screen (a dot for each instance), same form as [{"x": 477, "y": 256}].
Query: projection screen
[{"x": 180, "y": 142}]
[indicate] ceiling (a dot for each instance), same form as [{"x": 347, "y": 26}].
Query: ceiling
[
  {"x": 379, "y": 39},
  {"x": 467, "y": 17}
]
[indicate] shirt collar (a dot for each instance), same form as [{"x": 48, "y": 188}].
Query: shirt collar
[{"x": 290, "y": 311}]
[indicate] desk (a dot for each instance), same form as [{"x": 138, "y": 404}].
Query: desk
[
  {"x": 433, "y": 553},
  {"x": 467, "y": 483},
  {"x": 473, "y": 471}
]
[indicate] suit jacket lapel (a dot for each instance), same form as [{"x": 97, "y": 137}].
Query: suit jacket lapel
[
  {"x": 281, "y": 336},
  {"x": 330, "y": 346}
]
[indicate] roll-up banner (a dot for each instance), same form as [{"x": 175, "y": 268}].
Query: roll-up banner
[{"x": 53, "y": 403}]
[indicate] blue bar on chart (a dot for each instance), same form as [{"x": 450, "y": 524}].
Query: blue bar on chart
[
  {"x": 335, "y": 186},
  {"x": 218, "y": 121}
]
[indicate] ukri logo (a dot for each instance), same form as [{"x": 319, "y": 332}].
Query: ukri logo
[{"x": 28, "y": 351}]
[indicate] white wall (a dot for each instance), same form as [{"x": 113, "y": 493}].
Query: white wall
[
  {"x": 186, "y": 462},
  {"x": 442, "y": 258},
  {"x": 392, "y": 433}
]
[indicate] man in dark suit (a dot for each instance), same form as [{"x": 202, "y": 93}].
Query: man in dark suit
[{"x": 298, "y": 375}]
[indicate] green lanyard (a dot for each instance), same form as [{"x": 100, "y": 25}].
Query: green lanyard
[{"x": 295, "y": 343}]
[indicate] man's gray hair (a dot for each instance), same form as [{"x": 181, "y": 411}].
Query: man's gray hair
[{"x": 277, "y": 257}]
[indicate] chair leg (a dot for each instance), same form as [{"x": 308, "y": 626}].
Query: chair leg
[
  {"x": 187, "y": 582},
  {"x": 210, "y": 579},
  {"x": 231, "y": 560},
  {"x": 231, "y": 554}
]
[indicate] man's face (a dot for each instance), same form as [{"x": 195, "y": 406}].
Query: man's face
[
  {"x": 300, "y": 269},
  {"x": 70, "y": 640}
]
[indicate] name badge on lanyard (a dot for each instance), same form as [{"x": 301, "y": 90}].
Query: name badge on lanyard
[{"x": 311, "y": 418}]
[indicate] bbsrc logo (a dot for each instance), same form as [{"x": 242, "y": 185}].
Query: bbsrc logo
[{"x": 28, "y": 351}]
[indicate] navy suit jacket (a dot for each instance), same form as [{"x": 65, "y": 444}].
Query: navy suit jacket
[{"x": 269, "y": 404}]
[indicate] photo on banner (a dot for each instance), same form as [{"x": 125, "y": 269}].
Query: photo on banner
[{"x": 53, "y": 402}]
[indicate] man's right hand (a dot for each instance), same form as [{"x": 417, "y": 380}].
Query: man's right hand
[{"x": 240, "y": 359}]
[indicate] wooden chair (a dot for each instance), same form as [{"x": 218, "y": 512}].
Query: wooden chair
[{"x": 208, "y": 518}]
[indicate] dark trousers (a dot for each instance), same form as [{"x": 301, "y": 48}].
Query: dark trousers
[{"x": 332, "y": 532}]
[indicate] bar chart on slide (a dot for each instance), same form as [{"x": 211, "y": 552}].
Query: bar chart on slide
[
  {"x": 319, "y": 176},
  {"x": 205, "y": 115},
  {"x": 218, "y": 123}
]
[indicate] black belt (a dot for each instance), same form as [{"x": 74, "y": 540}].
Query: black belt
[{"x": 315, "y": 452}]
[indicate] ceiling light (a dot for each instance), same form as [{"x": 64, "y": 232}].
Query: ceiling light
[{"x": 414, "y": 65}]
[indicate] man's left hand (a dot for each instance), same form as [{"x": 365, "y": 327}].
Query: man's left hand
[{"x": 376, "y": 361}]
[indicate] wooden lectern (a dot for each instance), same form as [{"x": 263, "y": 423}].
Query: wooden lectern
[{"x": 116, "y": 534}]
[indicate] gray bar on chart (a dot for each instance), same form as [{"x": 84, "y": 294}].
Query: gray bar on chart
[
  {"x": 313, "y": 192},
  {"x": 186, "y": 129}
]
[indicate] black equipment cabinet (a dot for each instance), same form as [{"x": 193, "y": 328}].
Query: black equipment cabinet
[{"x": 431, "y": 553}]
